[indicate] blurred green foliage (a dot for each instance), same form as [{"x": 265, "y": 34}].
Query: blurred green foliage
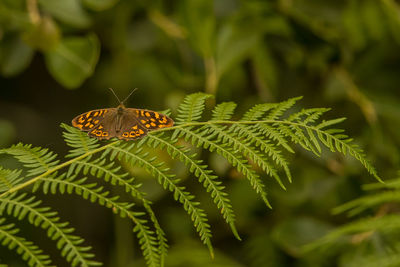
[{"x": 336, "y": 53}]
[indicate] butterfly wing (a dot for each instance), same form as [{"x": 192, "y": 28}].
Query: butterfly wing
[
  {"x": 129, "y": 127},
  {"x": 106, "y": 128},
  {"x": 123, "y": 123},
  {"x": 91, "y": 119},
  {"x": 151, "y": 120}
]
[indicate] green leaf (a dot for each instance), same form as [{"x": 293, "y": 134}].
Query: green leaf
[
  {"x": 191, "y": 108},
  {"x": 386, "y": 224},
  {"x": 205, "y": 176},
  {"x": 44, "y": 35},
  {"x": 223, "y": 111},
  {"x": 67, "y": 11},
  {"x": 25, "y": 207},
  {"x": 156, "y": 169},
  {"x": 391, "y": 9},
  {"x": 7, "y": 132},
  {"x": 36, "y": 159},
  {"x": 9, "y": 178},
  {"x": 13, "y": 16},
  {"x": 28, "y": 250},
  {"x": 99, "y": 5},
  {"x": 292, "y": 234},
  {"x": 73, "y": 60},
  {"x": 234, "y": 44},
  {"x": 79, "y": 141},
  {"x": 15, "y": 56},
  {"x": 199, "y": 20},
  {"x": 266, "y": 68}
]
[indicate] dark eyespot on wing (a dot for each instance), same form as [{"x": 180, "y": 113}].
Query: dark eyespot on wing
[
  {"x": 100, "y": 133},
  {"x": 133, "y": 131}
]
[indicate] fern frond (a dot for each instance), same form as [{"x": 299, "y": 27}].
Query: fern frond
[
  {"x": 291, "y": 131},
  {"x": 309, "y": 136},
  {"x": 389, "y": 184},
  {"x": 191, "y": 108},
  {"x": 111, "y": 174},
  {"x": 255, "y": 142},
  {"x": 36, "y": 159},
  {"x": 388, "y": 258},
  {"x": 107, "y": 171},
  {"x": 252, "y": 136},
  {"x": 296, "y": 135},
  {"x": 28, "y": 251},
  {"x": 278, "y": 110},
  {"x": 324, "y": 124},
  {"x": 78, "y": 140},
  {"x": 336, "y": 141},
  {"x": 223, "y": 111},
  {"x": 198, "y": 216},
  {"x": 9, "y": 179},
  {"x": 231, "y": 139},
  {"x": 94, "y": 193},
  {"x": 205, "y": 176},
  {"x": 274, "y": 134},
  {"x": 386, "y": 225},
  {"x": 358, "y": 205},
  {"x": 202, "y": 139},
  {"x": 307, "y": 116},
  {"x": 258, "y": 111},
  {"x": 21, "y": 206},
  {"x": 161, "y": 237}
]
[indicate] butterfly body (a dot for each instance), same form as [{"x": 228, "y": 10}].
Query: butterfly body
[{"x": 121, "y": 122}]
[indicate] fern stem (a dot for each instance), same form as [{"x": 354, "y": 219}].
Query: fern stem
[
  {"x": 359, "y": 156},
  {"x": 351, "y": 149},
  {"x": 33, "y": 11},
  {"x": 56, "y": 168},
  {"x": 211, "y": 122}
]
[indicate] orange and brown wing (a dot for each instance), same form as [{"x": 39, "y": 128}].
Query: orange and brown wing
[
  {"x": 133, "y": 131},
  {"x": 100, "y": 132},
  {"x": 89, "y": 120},
  {"x": 152, "y": 120}
]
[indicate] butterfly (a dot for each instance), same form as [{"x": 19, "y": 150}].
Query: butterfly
[{"x": 121, "y": 122}]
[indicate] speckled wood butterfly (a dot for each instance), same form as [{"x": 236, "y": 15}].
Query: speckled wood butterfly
[{"x": 121, "y": 122}]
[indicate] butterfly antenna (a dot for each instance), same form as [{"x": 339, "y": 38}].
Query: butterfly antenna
[
  {"x": 129, "y": 95},
  {"x": 115, "y": 95}
]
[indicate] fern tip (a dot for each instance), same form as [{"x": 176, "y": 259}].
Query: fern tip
[
  {"x": 210, "y": 249},
  {"x": 379, "y": 178},
  {"x": 267, "y": 202},
  {"x": 234, "y": 231}
]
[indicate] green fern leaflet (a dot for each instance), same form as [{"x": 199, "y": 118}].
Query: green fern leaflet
[{"x": 257, "y": 144}]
